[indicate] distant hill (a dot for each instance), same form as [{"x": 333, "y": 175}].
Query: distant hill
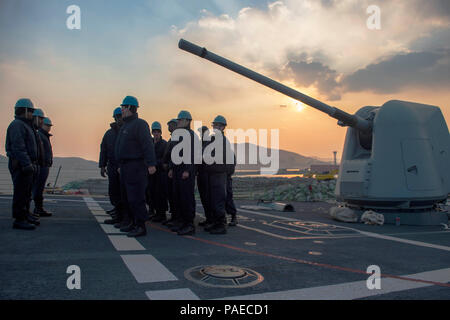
[
  {"x": 76, "y": 169},
  {"x": 287, "y": 159},
  {"x": 72, "y": 169}
]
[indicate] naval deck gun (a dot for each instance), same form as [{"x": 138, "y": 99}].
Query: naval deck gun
[{"x": 396, "y": 157}]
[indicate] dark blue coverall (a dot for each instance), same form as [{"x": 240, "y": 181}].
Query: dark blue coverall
[
  {"x": 108, "y": 160},
  {"x": 21, "y": 149},
  {"x": 135, "y": 152},
  {"x": 40, "y": 162},
  {"x": 203, "y": 186},
  {"x": 44, "y": 168},
  {"x": 183, "y": 189},
  {"x": 170, "y": 195},
  {"x": 230, "y": 207},
  {"x": 217, "y": 185},
  {"x": 158, "y": 181}
]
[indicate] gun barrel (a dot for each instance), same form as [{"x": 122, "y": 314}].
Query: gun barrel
[{"x": 344, "y": 117}]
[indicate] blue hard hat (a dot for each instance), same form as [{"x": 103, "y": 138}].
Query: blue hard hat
[
  {"x": 38, "y": 113},
  {"x": 173, "y": 120},
  {"x": 220, "y": 119},
  {"x": 130, "y": 101},
  {"x": 117, "y": 111},
  {"x": 48, "y": 122},
  {"x": 184, "y": 115},
  {"x": 24, "y": 103},
  {"x": 156, "y": 126}
]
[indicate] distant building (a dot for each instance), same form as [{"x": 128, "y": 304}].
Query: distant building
[{"x": 323, "y": 168}]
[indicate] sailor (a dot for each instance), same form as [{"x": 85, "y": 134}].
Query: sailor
[
  {"x": 135, "y": 153},
  {"x": 183, "y": 174},
  {"x": 38, "y": 119},
  {"x": 109, "y": 166},
  {"x": 21, "y": 150},
  {"x": 44, "y": 168},
  {"x": 230, "y": 207},
  {"x": 202, "y": 179},
  {"x": 158, "y": 181},
  {"x": 171, "y": 126},
  {"x": 217, "y": 177}
]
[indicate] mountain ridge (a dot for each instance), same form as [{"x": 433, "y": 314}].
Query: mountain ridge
[{"x": 287, "y": 160}]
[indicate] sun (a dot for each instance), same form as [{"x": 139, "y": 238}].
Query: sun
[{"x": 299, "y": 107}]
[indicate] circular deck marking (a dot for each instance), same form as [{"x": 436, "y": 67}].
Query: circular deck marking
[
  {"x": 223, "y": 276},
  {"x": 317, "y": 228},
  {"x": 244, "y": 218}
]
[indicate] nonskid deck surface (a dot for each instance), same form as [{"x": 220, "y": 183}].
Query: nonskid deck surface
[{"x": 268, "y": 255}]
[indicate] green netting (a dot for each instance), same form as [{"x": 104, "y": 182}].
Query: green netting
[
  {"x": 73, "y": 185},
  {"x": 300, "y": 191}
]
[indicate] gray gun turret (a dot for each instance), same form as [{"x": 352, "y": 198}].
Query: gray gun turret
[{"x": 396, "y": 157}]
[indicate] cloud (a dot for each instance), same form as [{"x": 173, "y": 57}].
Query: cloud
[
  {"x": 435, "y": 8},
  {"x": 416, "y": 69},
  {"x": 306, "y": 74},
  {"x": 324, "y": 45},
  {"x": 435, "y": 40}
]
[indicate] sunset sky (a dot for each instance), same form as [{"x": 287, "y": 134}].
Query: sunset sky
[{"x": 321, "y": 47}]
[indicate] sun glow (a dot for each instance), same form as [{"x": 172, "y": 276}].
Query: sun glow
[{"x": 299, "y": 107}]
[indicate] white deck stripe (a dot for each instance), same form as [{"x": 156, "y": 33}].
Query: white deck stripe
[
  {"x": 95, "y": 208},
  {"x": 101, "y": 219},
  {"x": 173, "y": 294},
  {"x": 124, "y": 243},
  {"x": 109, "y": 228},
  {"x": 99, "y": 213},
  {"x": 267, "y": 215},
  {"x": 369, "y": 234},
  {"x": 350, "y": 290},
  {"x": 145, "y": 268},
  {"x": 413, "y": 242}
]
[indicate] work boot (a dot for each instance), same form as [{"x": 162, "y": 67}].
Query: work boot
[
  {"x": 23, "y": 225},
  {"x": 233, "y": 221},
  {"x": 159, "y": 217},
  {"x": 128, "y": 228},
  {"x": 218, "y": 229},
  {"x": 41, "y": 212},
  {"x": 187, "y": 229},
  {"x": 138, "y": 231},
  {"x": 204, "y": 223},
  {"x": 33, "y": 220},
  {"x": 112, "y": 221},
  {"x": 124, "y": 223},
  {"x": 209, "y": 226},
  {"x": 170, "y": 223},
  {"x": 175, "y": 225}
]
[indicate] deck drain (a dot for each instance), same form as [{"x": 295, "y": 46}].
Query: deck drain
[{"x": 223, "y": 276}]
